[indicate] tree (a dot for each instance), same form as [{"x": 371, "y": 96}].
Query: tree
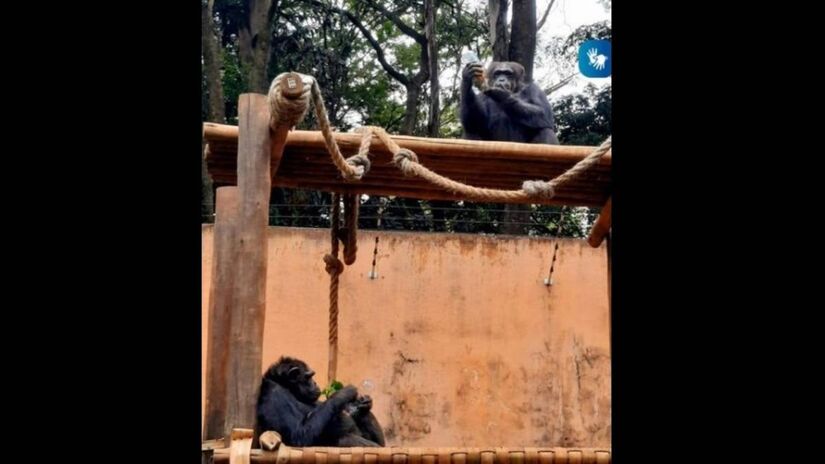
[
  {"x": 499, "y": 38},
  {"x": 523, "y": 35},
  {"x": 255, "y": 39},
  {"x": 585, "y": 119},
  {"x": 430, "y": 12},
  {"x": 215, "y": 111}
]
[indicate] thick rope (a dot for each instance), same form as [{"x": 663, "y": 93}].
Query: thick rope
[
  {"x": 288, "y": 111},
  {"x": 285, "y": 110},
  {"x": 350, "y": 239},
  {"x": 407, "y": 161},
  {"x": 352, "y": 168},
  {"x": 334, "y": 268}
]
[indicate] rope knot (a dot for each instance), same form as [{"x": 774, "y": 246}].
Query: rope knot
[
  {"x": 333, "y": 265},
  {"x": 288, "y": 110},
  {"x": 403, "y": 158},
  {"x": 361, "y": 165},
  {"x": 538, "y": 188}
]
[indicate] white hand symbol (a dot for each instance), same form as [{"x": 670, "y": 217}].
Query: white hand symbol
[{"x": 596, "y": 60}]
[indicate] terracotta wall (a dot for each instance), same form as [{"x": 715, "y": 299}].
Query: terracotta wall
[{"x": 458, "y": 341}]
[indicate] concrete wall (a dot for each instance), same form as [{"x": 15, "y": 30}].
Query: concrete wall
[{"x": 458, "y": 341}]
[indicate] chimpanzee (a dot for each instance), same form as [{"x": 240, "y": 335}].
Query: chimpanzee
[
  {"x": 288, "y": 404},
  {"x": 509, "y": 109}
]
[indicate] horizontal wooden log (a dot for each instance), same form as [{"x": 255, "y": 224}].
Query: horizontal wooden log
[{"x": 306, "y": 164}]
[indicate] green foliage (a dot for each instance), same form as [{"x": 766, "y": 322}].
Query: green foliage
[
  {"x": 233, "y": 81},
  {"x": 333, "y": 387},
  {"x": 584, "y": 119}
]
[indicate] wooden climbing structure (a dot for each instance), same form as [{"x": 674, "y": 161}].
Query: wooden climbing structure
[
  {"x": 263, "y": 152},
  {"x": 306, "y": 164}
]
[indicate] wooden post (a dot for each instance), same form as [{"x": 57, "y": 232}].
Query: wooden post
[
  {"x": 249, "y": 292},
  {"x": 224, "y": 259},
  {"x": 601, "y": 227},
  {"x": 259, "y": 155}
]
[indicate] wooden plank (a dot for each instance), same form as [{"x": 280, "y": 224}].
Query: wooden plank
[
  {"x": 501, "y": 165},
  {"x": 224, "y": 259},
  {"x": 241, "y": 446},
  {"x": 249, "y": 292},
  {"x": 472, "y": 149},
  {"x": 601, "y": 227}
]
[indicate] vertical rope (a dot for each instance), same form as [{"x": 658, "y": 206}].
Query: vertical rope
[
  {"x": 334, "y": 267},
  {"x": 350, "y": 239}
]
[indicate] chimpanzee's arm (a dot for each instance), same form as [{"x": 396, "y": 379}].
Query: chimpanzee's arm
[
  {"x": 472, "y": 111},
  {"x": 528, "y": 107},
  {"x": 310, "y": 428}
]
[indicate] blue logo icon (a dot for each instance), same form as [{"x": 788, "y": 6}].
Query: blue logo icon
[{"x": 595, "y": 59}]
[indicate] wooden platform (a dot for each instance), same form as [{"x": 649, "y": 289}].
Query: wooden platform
[
  {"x": 306, "y": 164},
  {"x": 440, "y": 455}
]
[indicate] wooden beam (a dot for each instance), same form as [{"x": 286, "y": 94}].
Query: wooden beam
[
  {"x": 500, "y": 165},
  {"x": 601, "y": 227},
  {"x": 224, "y": 259},
  {"x": 249, "y": 292},
  {"x": 349, "y": 142}
]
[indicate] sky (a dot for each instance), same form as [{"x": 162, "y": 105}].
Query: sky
[{"x": 564, "y": 18}]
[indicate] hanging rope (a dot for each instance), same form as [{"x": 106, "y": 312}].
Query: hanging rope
[
  {"x": 352, "y": 168},
  {"x": 292, "y": 110},
  {"x": 349, "y": 237},
  {"x": 407, "y": 161},
  {"x": 334, "y": 268}
]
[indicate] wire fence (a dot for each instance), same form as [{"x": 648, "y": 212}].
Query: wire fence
[{"x": 381, "y": 213}]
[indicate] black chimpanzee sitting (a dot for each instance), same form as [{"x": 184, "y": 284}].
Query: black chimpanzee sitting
[
  {"x": 288, "y": 404},
  {"x": 510, "y": 109}
]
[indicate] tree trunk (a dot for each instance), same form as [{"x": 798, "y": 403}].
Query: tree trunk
[
  {"x": 255, "y": 40},
  {"x": 523, "y": 35},
  {"x": 212, "y": 63},
  {"x": 522, "y": 50},
  {"x": 408, "y": 125},
  {"x": 434, "y": 122},
  {"x": 210, "y": 49},
  {"x": 498, "y": 30}
]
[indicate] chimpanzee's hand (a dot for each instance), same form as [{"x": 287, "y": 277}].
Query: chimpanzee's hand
[
  {"x": 345, "y": 395},
  {"x": 471, "y": 71},
  {"x": 497, "y": 94}
]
